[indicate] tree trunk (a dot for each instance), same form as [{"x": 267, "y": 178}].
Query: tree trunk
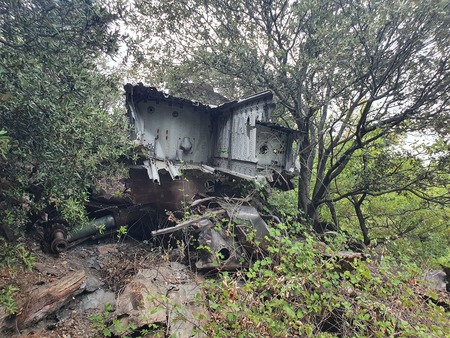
[
  {"x": 306, "y": 156},
  {"x": 362, "y": 221}
]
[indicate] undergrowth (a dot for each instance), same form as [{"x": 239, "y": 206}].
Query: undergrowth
[
  {"x": 12, "y": 256},
  {"x": 297, "y": 290}
]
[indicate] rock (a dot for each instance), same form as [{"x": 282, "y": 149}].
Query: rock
[
  {"x": 93, "y": 283},
  {"x": 93, "y": 263},
  {"x": 164, "y": 295},
  {"x": 345, "y": 259},
  {"x": 7, "y": 321},
  {"x": 45, "y": 269},
  {"x": 97, "y": 300},
  {"x": 436, "y": 279},
  {"x": 142, "y": 301},
  {"x": 106, "y": 249},
  {"x": 7, "y": 232}
]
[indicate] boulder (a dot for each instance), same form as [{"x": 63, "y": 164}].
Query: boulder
[
  {"x": 97, "y": 300},
  {"x": 165, "y": 295},
  {"x": 436, "y": 279}
]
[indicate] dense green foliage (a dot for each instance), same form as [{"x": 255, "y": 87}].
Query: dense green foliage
[
  {"x": 300, "y": 290},
  {"x": 398, "y": 195},
  {"x": 56, "y": 106}
]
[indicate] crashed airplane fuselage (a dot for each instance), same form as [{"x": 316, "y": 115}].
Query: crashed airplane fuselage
[
  {"x": 191, "y": 150},
  {"x": 191, "y": 147}
]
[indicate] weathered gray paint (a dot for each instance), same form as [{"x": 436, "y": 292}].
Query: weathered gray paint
[
  {"x": 162, "y": 128},
  {"x": 236, "y": 138}
]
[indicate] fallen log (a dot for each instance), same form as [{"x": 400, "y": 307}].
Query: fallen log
[{"x": 44, "y": 300}]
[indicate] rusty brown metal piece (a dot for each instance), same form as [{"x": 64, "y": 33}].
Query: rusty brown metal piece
[
  {"x": 112, "y": 218},
  {"x": 59, "y": 240},
  {"x": 169, "y": 194}
]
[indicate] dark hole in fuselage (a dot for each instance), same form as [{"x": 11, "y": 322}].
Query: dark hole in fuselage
[{"x": 224, "y": 254}]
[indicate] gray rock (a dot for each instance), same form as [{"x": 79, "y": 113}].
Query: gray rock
[
  {"x": 97, "y": 300},
  {"x": 93, "y": 263},
  {"x": 164, "y": 295},
  {"x": 436, "y": 279},
  {"x": 93, "y": 283},
  {"x": 6, "y": 321}
]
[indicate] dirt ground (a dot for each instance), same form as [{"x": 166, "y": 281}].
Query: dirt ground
[{"x": 108, "y": 263}]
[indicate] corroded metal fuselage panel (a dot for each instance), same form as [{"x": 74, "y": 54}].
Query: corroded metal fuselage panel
[
  {"x": 169, "y": 194},
  {"x": 236, "y": 138}
]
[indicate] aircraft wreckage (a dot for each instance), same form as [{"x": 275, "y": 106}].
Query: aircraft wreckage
[{"x": 194, "y": 160}]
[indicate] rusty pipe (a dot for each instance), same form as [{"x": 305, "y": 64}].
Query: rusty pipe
[
  {"x": 95, "y": 226},
  {"x": 59, "y": 241}
]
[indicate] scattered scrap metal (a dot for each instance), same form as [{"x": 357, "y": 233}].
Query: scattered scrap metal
[
  {"x": 189, "y": 149},
  {"x": 226, "y": 230}
]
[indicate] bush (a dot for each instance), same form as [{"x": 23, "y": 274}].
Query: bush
[
  {"x": 58, "y": 127},
  {"x": 296, "y": 291}
]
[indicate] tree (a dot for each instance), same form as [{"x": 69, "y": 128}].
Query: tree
[
  {"x": 55, "y": 104},
  {"x": 348, "y": 73},
  {"x": 384, "y": 169}
]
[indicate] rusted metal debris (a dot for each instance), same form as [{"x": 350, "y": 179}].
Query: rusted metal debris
[
  {"x": 190, "y": 149},
  {"x": 199, "y": 223},
  {"x": 110, "y": 217},
  {"x": 226, "y": 235}
]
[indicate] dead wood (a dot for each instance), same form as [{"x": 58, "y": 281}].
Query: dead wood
[{"x": 44, "y": 300}]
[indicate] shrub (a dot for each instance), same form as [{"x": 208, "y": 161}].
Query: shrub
[{"x": 297, "y": 291}]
